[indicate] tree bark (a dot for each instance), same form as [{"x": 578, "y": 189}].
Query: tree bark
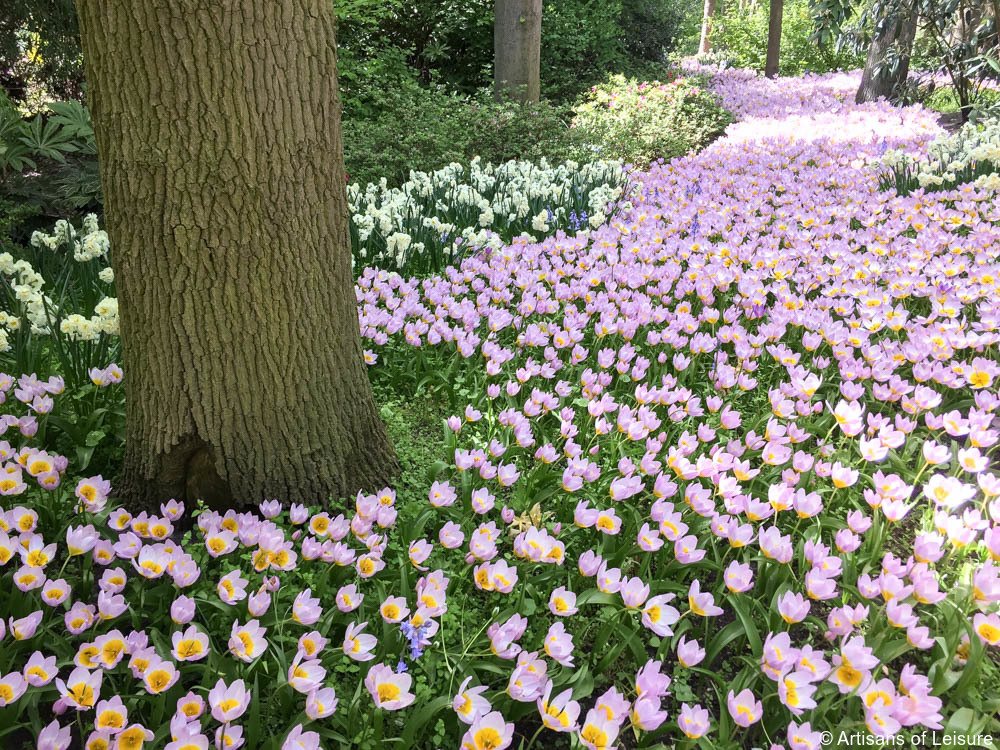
[
  {"x": 996, "y": 25},
  {"x": 517, "y": 40},
  {"x": 219, "y": 142},
  {"x": 876, "y": 81},
  {"x": 705, "y": 45},
  {"x": 773, "y": 38}
]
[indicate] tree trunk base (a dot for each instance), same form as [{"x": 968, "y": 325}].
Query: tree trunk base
[{"x": 188, "y": 474}]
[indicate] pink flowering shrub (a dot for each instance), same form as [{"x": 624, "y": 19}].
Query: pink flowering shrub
[{"x": 719, "y": 473}]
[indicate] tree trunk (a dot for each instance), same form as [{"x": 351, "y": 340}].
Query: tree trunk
[
  {"x": 773, "y": 38},
  {"x": 996, "y": 26},
  {"x": 218, "y": 133},
  {"x": 705, "y": 45},
  {"x": 517, "y": 41},
  {"x": 875, "y": 80}
]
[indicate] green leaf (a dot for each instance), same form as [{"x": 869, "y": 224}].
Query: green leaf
[
  {"x": 421, "y": 719},
  {"x": 435, "y": 469},
  {"x": 723, "y": 638},
  {"x": 739, "y": 603},
  {"x": 594, "y": 596},
  {"x": 255, "y": 711},
  {"x": 972, "y": 666}
]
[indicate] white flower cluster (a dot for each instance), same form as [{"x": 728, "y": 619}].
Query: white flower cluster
[
  {"x": 104, "y": 320},
  {"x": 972, "y": 154},
  {"x": 40, "y": 310},
  {"x": 482, "y": 205},
  {"x": 26, "y": 286},
  {"x": 92, "y": 243}
]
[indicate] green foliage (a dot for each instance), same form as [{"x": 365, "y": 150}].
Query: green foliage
[
  {"x": 445, "y": 42},
  {"x": 945, "y": 100},
  {"x": 653, "y": 28},
  {"x": 740, "y": 37},
  {"x": 40, "y": 56},
  {"x": 49, "y": 160},
  {"x": 452, "y": 43},
  {"x": 428, "y": 128},
  {"x": 376, "y": 85},
  {"x": 581, "y": 39},
  {"x": 639, "y": 122},
  {"x": 14, "y": 215}
]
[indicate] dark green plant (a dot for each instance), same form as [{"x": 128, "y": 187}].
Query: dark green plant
[
  {"x": 654, "y": 28},
  {"x": 441, "y": 128},
  {"x": 640, "y": 121},
  {"x": 40, "y": 56},
  {"x": 50, "y": 159}
]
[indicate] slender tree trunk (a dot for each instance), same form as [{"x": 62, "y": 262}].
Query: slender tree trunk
[
  {"x": 517, "y": 40},
  {"x": 218, "y": 132},
  {"x": 774, "y": 38},
  {"x": 875, "y": 80},
  {"x": 705, "y": 45},
  {"x": 996, "y": 26}
]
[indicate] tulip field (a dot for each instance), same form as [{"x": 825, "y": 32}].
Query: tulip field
[{"x": 718, "y": 472}]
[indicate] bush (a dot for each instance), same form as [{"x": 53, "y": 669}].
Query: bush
[
  {"x": 621, "y": 119},
  {"x": 40, "y": 50},
  {"x": 639, "y": 122},
  {"x": 740, "y": 37},
  {"x": 943, "y": 99},
  {"x": 441, "y": 128},
  {"x": 581, "y": 41}
]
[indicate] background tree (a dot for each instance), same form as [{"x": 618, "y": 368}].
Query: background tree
[
  {"x": 959, "y": 40},
  {"x": 773, "y": 38},
  {"x": 517, "y": 39},
  {"x": 218, "y": 133},
  {"x": 888, "y": 61},
  {"x": 705, "y": 45},
  {"x": 39, "y": 50}
]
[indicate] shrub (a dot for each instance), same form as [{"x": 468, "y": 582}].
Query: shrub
[
  {"x": 944, "y": 99},
  {"x": 441, "y": 128},
  {"x": 655, "y": 28},
  {"x": 40, "y": 50},
  {"x": 639, "y": 122},
  {"x": 581, "y": 39}
]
